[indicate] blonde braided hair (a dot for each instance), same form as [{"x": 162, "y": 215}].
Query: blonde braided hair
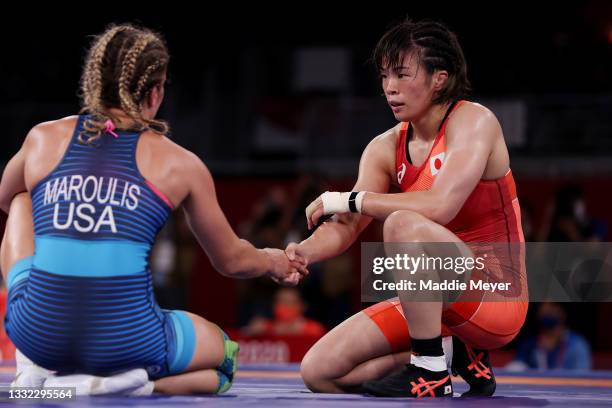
[{"x": 119, "y": 57}]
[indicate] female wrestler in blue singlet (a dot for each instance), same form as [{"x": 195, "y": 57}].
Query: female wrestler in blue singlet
[{"x": 75, "y": 251}]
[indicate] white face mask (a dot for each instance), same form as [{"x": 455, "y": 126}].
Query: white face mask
[{"x": 580, "y": 211}]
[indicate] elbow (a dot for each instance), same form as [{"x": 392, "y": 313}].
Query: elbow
[
  {"x": 442, "y": 207},
  {"x": 442, "y": 214}
]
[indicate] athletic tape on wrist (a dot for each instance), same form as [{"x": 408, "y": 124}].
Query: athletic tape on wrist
[
  {"x": 356, "y": 201},
  {"x": 339, "y": 203},
  {"x": 335, "y": 202}
]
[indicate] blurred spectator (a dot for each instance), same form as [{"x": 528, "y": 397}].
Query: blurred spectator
[
  {"x": 527, "y": 222},
  {"x": 266, "y": 227},
  {"x": 555, "y": 346},
  {"x": 288, "y": 318},
  {"x": 328, "y": 290},
  {"x": 172, "y": 262},
  {"x": 308, "y": 189},
  {"x": 269, "y": 221},
  {"x": 277, "y": 219},
  {"x": 569, "y": 220}
]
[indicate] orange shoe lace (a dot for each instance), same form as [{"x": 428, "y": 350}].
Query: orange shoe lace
[
  {"x": 429, "y": 387},
  {"x": 476, "y": 364}
]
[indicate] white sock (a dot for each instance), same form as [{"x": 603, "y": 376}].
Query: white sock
[
  {"x": 82, "y": 382},
  {"x": 431, "y": 363},
  {"x": 447, "y": 346},
  {"x": 121, "y": 384},
  {"x": 143, "y": 391},
  {"x": 27, "y": 373}
]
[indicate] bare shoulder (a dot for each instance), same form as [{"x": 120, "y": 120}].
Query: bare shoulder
[
  {"x": 378, "y": 161},
  {"x": 44, "y": 147},
  {"x": 68, "y": 122},
  {"x": 472, "y": 113},
  {"x": 193, "y": 164},
  {"x": 178, "y": 160},
  {"x": 183, "y": 155},
  {"x": 473, "y": 121},
  {"x": 51, "y": 132},
  {"x": 383, "y": 146}
]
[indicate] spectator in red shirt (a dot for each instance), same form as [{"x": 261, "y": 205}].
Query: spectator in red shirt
[{"x": 288, "y": 318}]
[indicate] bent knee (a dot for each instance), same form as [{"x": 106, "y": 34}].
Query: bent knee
[
  {"x": 313, "y": 374},
  {"x": 406, "y": 226},
  {"x": 22, "y": 198},
  {"x": 310, "y": 375}
]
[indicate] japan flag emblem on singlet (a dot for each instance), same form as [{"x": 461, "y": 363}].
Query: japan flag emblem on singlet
[
  {"x": 400, "y": 173},
  {"x": 435, "y": 163}
]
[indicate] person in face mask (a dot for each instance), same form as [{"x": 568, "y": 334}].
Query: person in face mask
[
  {"x": 288, "y": 318},
  {"x": 570, "y": 221},
  {"x": 555, "y": 346}
]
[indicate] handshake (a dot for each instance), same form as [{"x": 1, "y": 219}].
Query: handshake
[
  {"x": 291, "y": 265},
  {"x": 288, "y": 266}
]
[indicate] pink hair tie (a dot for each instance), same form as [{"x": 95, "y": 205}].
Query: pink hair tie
[{"x": 110, "y": 128}]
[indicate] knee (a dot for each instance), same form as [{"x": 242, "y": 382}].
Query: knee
[
  {"x": 20, "y": 208},
  {"x": 16, "y": 201},
  {"x": 22, "y": 199},
  {"x": 312, "y": 375},
  {"x": 405, "y": 226},
  {"x": 308, "y": 371}
]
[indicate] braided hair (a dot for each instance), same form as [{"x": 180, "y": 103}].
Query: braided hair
[{"x": 123, "y": 64}]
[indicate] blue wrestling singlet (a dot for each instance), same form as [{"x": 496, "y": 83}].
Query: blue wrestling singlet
[{"x": 84, "y": 302}]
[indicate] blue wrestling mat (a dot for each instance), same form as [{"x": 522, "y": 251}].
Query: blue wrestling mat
[{"x": 262, "y": 386}]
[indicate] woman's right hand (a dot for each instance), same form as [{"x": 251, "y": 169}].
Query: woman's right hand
[{"x": 286, "y": 270}]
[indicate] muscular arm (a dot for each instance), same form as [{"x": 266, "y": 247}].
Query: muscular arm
[
  {"x": 469, "y": 142},
  {"x": 40, "y": 152},
  {"x": 230, "y": 255},
  {"x": 335, "y": 236},
  {"x": 13, "y": 177}
]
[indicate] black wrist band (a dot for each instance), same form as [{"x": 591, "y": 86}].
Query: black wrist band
[{"x": 352, "y": 205}]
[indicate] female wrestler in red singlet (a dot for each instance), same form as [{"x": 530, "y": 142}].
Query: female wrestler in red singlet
[{"x": 449, "y": 159}]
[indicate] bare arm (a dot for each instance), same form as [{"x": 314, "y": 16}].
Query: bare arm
[
  {"x": 469, "y": 142},
  {"x": 470, "y": 138},
  {"x": 13, "y": 177},
  {"x": 42, "y": 146},
  {"x": 337, "y": 235},
  {"x": 230, "y": 255}
]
